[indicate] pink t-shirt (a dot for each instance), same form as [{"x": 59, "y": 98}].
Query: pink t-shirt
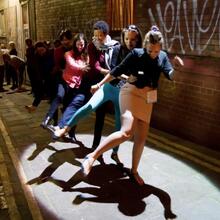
[{"x": 72, "y": 73}]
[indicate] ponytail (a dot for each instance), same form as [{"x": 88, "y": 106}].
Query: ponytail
[{"x": 154, "y": 36}]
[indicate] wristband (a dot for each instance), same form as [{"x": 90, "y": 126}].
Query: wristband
[{"x": 98, "y": 85}]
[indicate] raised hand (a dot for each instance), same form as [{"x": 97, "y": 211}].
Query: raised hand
[{"x": 177, "y": 62}]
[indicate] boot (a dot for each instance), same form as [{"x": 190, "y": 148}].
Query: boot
[{"x": 45, "y": 122}]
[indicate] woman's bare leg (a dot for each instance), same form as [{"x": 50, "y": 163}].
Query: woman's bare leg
[
  {"x": 117, "y": 137},
  {"x": 140, "y": 134},
  {"x": 112, "y": 140}
]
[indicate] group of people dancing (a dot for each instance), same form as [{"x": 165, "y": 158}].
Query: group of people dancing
[{"x": 125, "y": 73}]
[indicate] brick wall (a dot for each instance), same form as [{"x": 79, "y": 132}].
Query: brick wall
[
  {"x": 189, "y": 107},
  {"x": 55, "y": 15}
]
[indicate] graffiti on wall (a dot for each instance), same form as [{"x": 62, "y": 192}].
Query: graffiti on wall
[{"x": 193, "y": 23}]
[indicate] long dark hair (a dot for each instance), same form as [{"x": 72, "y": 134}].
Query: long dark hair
[
  {"x": 134, "y": 28},
  {"x": 123, "y": 49},
  {"x": 79, "y": 36}
]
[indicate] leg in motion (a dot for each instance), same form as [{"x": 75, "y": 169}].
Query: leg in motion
[
  {"x": 54, "y": 106},
  {"x": 112, "y": 140},
  {"x": 140, "y": 134},
  {"x": 96, "y": 100}
]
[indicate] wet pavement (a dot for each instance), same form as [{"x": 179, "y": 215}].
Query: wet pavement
[{"x": 41, "y": 179}]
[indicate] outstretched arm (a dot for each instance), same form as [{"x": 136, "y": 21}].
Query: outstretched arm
[
  {"x": 106, "y": 79},
  {"x": 177, "y": 65},
  {"x": 116, "y": 72}
]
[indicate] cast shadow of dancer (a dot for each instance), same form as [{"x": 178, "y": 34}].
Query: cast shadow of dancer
[
  {"x": 112, "y": 185},
  {"x": 39, "y": 149},
  {"x": 42, "y": 147},
  {"x": 58, "y": 158},
  {"x": 99, "y": 175}
]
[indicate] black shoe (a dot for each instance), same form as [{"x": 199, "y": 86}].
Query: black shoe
[
  {"x": 68, "y": 137},
  {"x": 71, "y": 135},
  {"x": 44, "y": 124},
  {"x": 114, "y": 157},
  {"x": 13, "y": 87}
]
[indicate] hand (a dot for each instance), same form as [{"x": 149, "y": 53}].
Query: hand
[
  {"x": 177, "y": 62},
  {"x": 132, "y": 79},
  {"x": 94, "y": 88},
  {"x": 104, "y": 71},
  {"x": 85, "y": 68}
]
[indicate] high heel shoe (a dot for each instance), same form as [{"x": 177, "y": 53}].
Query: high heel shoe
[
  {"x": 134, "y": 176},
  {"x": 86, "y": 166}
]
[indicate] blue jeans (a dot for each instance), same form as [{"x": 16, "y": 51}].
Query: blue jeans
[
  {"x": 78, "y": 99},
  {"x": 57, "y": 100}
]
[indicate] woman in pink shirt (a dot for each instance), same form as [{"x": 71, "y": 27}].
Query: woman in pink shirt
[{"x": 70, "y": 91}]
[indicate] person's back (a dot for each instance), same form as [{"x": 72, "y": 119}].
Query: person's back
[
  {"x": 16, "y": 66},
  {"x": 16, "y": 61}
]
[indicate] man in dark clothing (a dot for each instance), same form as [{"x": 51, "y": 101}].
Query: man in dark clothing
[{"x": 43, "y": 65}]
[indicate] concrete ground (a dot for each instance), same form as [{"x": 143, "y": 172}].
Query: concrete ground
[{"x": 40, "y": 178}]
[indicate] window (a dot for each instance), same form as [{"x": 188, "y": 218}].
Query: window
[{"x": 121, "y": 13}]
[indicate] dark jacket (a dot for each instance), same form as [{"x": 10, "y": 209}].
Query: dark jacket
[{"x": 146, "y": 70}]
